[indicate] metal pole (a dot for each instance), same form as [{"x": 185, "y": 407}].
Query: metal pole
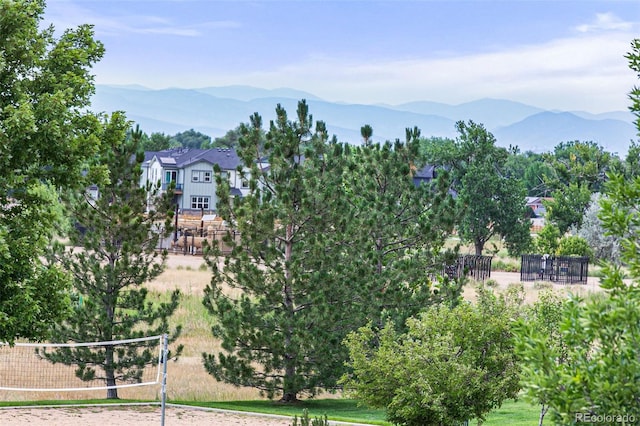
[{"x": 165, "y": 354}]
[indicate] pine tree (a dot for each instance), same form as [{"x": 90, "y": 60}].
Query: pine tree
[
  {"x": 398, "y": 228},
  {"x": 289, "y": 306},
  {"x": 115, "y": 239},
  {"x": 300, "y": 273}
]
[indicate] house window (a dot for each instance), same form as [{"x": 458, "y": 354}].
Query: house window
[
  {"x": 245, "y": 183},
  {"x": 170, "y": 176},
  {"x": 201, "y": 176},
  {"x": 224, "y": 175},
  {"x": 199, "y": 203}
]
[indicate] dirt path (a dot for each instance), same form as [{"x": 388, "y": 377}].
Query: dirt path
[{"x": 131, "y": 416}]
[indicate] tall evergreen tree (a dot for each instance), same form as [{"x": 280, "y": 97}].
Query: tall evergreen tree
[
  {"x": 398, "y": 227},
  {"x": 280, "y": 331},
  {"x": 299, "y": 276},
  {"x": 116, "y": 236}
]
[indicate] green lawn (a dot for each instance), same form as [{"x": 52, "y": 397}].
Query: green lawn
[{"x": 512, "y": 413}]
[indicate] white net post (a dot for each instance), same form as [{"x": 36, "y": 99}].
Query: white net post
[{"x": 164, "y": 360}]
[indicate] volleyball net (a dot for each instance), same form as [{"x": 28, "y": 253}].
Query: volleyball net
[{"x": 68, "y": 367}]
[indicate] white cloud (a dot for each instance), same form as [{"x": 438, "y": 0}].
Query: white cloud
[
  {"x": 587, "y": 72},
  {"x": 605, "y": 22},
  {"x": 67, "y": 14}
]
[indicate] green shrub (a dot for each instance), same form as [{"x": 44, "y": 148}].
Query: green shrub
[
  {"x": 306, "y": 421},
  {"x": 542, "y": 285},
  {"x": 514, "y": 294},
  {"x": 500, "y": 265},
  {"x": 574, "y": 246},
  {"x": 491, "y": 283}
]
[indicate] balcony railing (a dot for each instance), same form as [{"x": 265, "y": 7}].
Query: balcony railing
[{"x": 178, "y": 188}]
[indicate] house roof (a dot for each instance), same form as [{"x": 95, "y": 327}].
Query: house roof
[
  {"x": 426, "y": 172},
  {"x": 226, "y": 158}
]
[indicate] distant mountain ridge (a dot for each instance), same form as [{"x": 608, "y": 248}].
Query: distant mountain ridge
[{"x": 215, "y": 110}]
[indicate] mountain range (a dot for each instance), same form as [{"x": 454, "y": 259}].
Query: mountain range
[{"x": 215, "y": 110}]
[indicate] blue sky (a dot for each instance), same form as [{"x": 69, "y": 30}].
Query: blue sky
[{"x": 566, "y": 55}]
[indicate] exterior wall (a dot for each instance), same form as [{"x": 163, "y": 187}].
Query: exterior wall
[
  {"x": 155, "y": 171},
  {"x": 200, "y": 187}
]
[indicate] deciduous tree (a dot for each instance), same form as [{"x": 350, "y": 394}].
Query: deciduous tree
[
  {"x": 490, "y": 203},
  {"x": 452, "y": 365},
  {"x": 542, "y": 348},
  {"x": 45, "y": 137},
  {"x": 600, "y": 333}
]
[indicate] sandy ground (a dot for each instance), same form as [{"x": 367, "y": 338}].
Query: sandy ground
[{"x": 131, "y": 416}]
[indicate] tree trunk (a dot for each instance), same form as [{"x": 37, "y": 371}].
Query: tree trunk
[
  {"x": 289, "y": 393},
  {"x": 112, "y": 393},
  {"x": 288, "y": 398},
  {"x": 543, "y": 411},
  {"x": 479, "y": 246}
]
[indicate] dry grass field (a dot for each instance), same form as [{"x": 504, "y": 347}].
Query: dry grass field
[{"x": 187, "y": 378}]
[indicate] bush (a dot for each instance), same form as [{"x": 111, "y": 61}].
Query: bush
[
  {"x": 501, "y": 265},
  {"x": 575, "y": 246},
  {"x": 491, "y": 283},
  {"x": 515, "y": 294},
  {"x": 306, "y": 421},
  {"x": 452, "y": 365},
  {"x": 542, "y": 285}
]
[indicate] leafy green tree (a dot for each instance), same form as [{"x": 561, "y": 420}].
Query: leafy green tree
[
  {"x": 601, "y": 333},
  {"x": 45, "y": 137},
  {"x": 547, "y": 240},
  {"x": 114, "y": 257},
  {"x": 567, "y": 206},
  {"x": 490, "y": 203},
  {"x": 631, "y": 164},
  {"x": 229, "y": 140},
  {"x": 155, "y": 142},
  {"x": 579, "y": 170},
  {"x": 452, "y": 365},
  {"x": 540, "y": 323},
  {"x": 532, "y": 170},
  {"x": 578, "y": 162},
  {"x": 191, "y": 139},
  {"x": 159, "y": 142}
]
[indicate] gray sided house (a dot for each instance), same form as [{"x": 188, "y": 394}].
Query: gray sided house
[{"x": 192, "y": 170}]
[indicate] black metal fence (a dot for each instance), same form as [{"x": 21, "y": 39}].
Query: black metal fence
[
  {"x": 476, "y": 267},
  {"x": 558, "y": 269}
]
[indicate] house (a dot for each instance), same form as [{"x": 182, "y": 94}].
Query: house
[
  {"x": 424, "y": 175},
  {"x": 536, "y": 204},
  {"x": 537, "y": 211},
  {"x": 192, "y": 170}
]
